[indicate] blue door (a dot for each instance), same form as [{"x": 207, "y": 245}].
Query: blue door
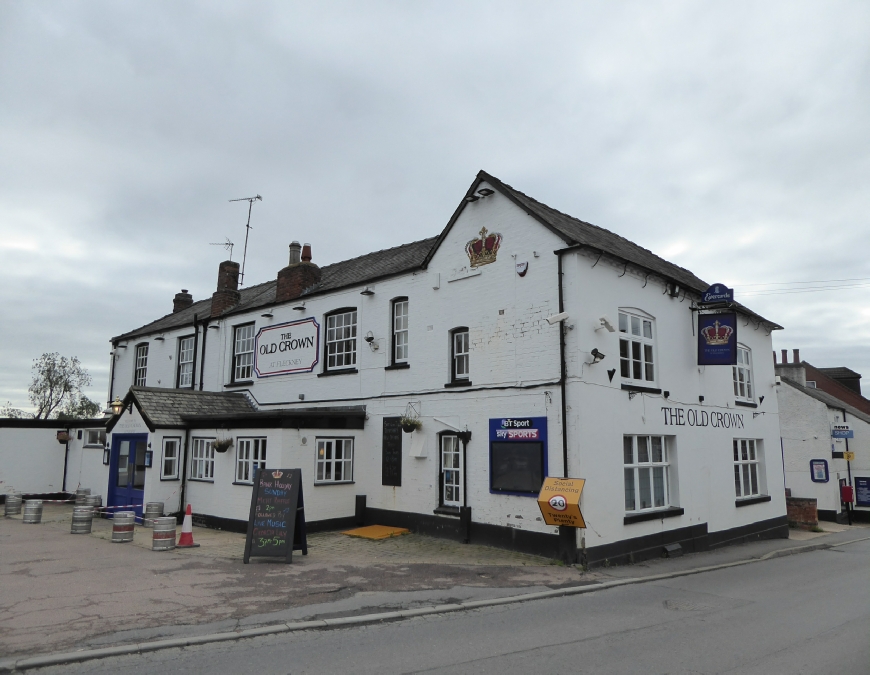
[{"x": 127, "y": 472}]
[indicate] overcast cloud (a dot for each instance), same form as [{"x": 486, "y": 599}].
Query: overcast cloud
[{"x": 731, "y": 138}]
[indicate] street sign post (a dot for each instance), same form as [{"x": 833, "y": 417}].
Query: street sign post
[{"x": 559, "y": 501}]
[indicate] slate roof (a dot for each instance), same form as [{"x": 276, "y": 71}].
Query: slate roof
[
  {"x": 828, "y": 399},
  {"x": 416, "y": 255},
  {"x": 841, "y": 372},
  {"x": 162, "y": 408}
]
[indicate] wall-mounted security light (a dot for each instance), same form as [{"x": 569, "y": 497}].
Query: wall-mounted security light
[
  {"x": 369, "y": 337},
  {"x": 106, "y": 455},
  {"x": 673, "y": 289},
  {"x": 215, "y": 326},
  {"x": 160, "y": 338},
  {"x": 471, "y": 198},
  {"x": 604, "y": 322},
  {"x": 300, "y": 307},
  {"x": 485, "y": 192},
  {"x": 556, "y": 318},
  {"x": 367, "y": 291},
  {"x": 267, "y": 315},
  {"x": 597, "y": 357}
]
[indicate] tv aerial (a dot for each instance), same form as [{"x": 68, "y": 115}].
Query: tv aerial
[
  {"x": 228, "y": 245},
  {"x": 250, "y": 201}
]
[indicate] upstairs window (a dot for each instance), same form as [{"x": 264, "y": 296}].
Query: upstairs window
[
  {"x": 636, "y": 349},
  {"x": 141, "y": 365},
  {"x": 460, "y": 368},
  {"x": 185, "y": 363},
  {"x": 742, "y": 375},
  {"x": 400, "y": 330},
  {"x": 243, "y": 352},
  {"x": 341, "y": 340}
]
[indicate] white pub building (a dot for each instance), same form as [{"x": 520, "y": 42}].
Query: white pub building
[{"x": 519, "y": 343}]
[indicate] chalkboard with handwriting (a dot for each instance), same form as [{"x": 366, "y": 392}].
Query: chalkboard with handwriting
[
  {"x": 276, "y": 525},
  {"x": 391, "y": 448}
]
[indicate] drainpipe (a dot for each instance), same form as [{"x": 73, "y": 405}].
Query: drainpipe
[
  {"x": 181, "y": 504},
  {"x": 112, "y": 377},
  {"x": 202, "y": 357},
  {"x": 195, "y": 351},
  {"x": 66, "y": 457}
]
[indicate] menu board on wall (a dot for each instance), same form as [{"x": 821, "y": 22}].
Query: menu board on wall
[
  {"x": 391, "y": 447},
  {"x": 276, "y": 525}
]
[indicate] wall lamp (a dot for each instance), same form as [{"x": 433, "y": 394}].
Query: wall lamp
[
  {"x": 118, "y": 406},
  {"x": 370, "y": 338},
  {"x": 106, "y": 455},
  {"x": 597, "y": 356},
  {"x": 471, "y": 198},
  {"x": 300, "y": 307},
  {"x": 485, "y": 192},
  {"x": 267, "y": 315},
  {"x": 160, "y": 338},
  {"x": 367, "y": 291}
]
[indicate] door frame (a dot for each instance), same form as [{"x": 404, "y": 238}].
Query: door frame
[{"x": 117, "y": 439}]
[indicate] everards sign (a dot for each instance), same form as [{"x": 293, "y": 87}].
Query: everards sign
[{"x": 287, "y": 348}]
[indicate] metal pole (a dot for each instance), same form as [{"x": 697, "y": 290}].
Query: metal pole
[{"x": 245, "y": 252}]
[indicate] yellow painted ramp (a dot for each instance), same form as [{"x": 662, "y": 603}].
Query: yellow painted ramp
[{"x": 377, "y": 532}]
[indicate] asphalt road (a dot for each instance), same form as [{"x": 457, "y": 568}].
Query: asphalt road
[{"x": 807, "y": 613}]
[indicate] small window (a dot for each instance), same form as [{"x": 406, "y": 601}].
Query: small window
[
  {"x": 636, "y": 349},
  {"x": 341, "y": 340},
  {"x": 171, "y": 453},
  {"x": 400, "y": 330},
  {"x": 748, "y": 468},
  {"x": 250, "y": 456},
  {"x": 141, "y": 365},
  {"x": 646, "y": 472},
  {"x": 334, "y": 460},
  {"x": 460, "y": 364},
  {"x": 243, "y": 352},
  {"x": 451, "y": 471},
  {"x": 742, "y": 375},
  {"x": 95, "y": 438},
  {"x": 202, "y": 459},
  {"x": 184, "y": 378}
]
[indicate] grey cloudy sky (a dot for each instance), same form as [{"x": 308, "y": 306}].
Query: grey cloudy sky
[{"x": 731, "y": 138}]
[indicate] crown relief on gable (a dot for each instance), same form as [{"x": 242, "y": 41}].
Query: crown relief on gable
[{"x": 483, "y": 249}]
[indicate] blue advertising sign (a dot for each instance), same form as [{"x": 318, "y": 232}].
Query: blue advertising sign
[
  {"x": 862, "y": 491},
  {"x": 841, "y": 430},
  {"x": 717, "y": 339},
  {"x": 517, "y": 455},
  {"x": 717, "y": 293},
  {"x": 819, "y": 471}
]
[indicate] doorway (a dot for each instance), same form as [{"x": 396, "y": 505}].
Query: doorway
[{"x": 127, "y": 472}]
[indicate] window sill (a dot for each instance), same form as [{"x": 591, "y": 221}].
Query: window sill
[
  {"x": 752, "y": 500},
  {"x": 458, "y": 383},
  {"x": 447, "y": 511},
  {"x": 398, "y": 366},
  {"x": 746, "y": 404},
  {"x": 94, "y": 445},
  {"x": 169, "y": 480},
  {"x": 335, "y": 482},
  {"x": 670, "y": 512},
  {"x": 645, "y": 390},
  {"x": 345, "y": 371},
  {"x": 239, "y": 482},
  {"x": 240, "y": 383},
  {"x": 202, "y": 480}
]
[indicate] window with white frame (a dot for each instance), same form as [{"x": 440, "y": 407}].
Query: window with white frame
[
  {"x": 184, "y": 378},
  {"x": 141, "y": 365},
  {"x": 460, "y": 365},
  {"x": 171, "y": 453},
  {"x": 748, "y": 469},
  {"x": 243, "y": 352},
  {"x": 341, "y": 340},
  {"x": 95, "y": 438},
  {"x": 742, "y": 375},
  {"x": 646, "y": 472},
  {"x": 400, "y": 330},
  {"x": 202, "y": 459},
  {"x": 451, "y": 471},
  {"x": 334, "y": 460},
  {"x": 636, "y": 349},
  {"x": 250, "y": 456}
]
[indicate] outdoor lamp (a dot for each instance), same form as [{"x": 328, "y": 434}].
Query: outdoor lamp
[
  {"x": 117, "y": 406},
  {"x": 596, "y": 356}
]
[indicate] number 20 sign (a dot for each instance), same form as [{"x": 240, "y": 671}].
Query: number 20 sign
[{"x": 559, "y": 501}]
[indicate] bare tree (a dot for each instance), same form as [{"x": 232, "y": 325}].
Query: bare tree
[
  {"x": 57, "y": 382},
  {"x": 15, "y": 413}
]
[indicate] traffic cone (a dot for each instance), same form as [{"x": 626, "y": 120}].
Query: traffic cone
[{"x": 186, "y": 538}]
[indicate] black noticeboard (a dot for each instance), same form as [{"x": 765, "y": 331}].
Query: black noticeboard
[
  {"x": 391, "y": 461},
  {"x": 276, "y": 526}
]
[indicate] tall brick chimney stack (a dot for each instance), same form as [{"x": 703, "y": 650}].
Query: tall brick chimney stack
[
  {"x": 227, "y": 294},
  {"x": 181, "y": 301},
  {"x": 299, "y": 275}
]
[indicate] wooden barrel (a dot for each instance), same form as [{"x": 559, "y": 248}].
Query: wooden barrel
[
  {"x": 13, "y": 505},
  {"x": 81, "y": 496},
  {"x": 163, "y": 538},
  {"x": 122, "y": 526},
  {"x": 82, "y": 518},
  {"x": 153, "y": 510},
  {"x": 32, "y": 511}
]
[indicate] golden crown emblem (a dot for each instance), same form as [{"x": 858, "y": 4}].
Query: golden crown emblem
[
  {"x": 716, "y": 334},
  {"x": 484, "y": 249}
]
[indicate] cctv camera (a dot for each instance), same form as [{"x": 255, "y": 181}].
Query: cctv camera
[
  {"x": 556, "y": 318},
  {"x": 369, "y": 337},
  {"x": 606, "y": 324}
]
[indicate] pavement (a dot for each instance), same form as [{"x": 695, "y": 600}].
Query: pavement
[{"x": 67, "y": 597}]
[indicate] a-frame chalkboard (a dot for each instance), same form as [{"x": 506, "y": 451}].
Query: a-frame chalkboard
[{"x": 276, "y": 526}]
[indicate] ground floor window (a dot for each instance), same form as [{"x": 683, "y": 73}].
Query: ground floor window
[
  {"x": 250, "y": 456},
  {"x": 202, "y": 459},
  {"x": 334, "y": 460},
  {"x": 646, "y": 472},
  {"x": 169, "y": 466},
  {"x": 451, "y": 471},
  {"x": 747, "y": 468}
]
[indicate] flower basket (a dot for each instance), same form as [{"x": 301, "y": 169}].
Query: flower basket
[
  {"x": 62, "y": 436},
  {"x": 222, "y": 444},
  {"x": 410, "y": 424}
]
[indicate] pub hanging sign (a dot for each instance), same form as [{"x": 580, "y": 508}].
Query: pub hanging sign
[{"x": 717, "y": 339}]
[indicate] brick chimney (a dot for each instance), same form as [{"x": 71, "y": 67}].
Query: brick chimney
[
  {"x": 794, "y": 371},
  {"x": 227, "y": 294},
  {"x": 181, "y": 301},
  {"x": 299, "y": 275}
]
